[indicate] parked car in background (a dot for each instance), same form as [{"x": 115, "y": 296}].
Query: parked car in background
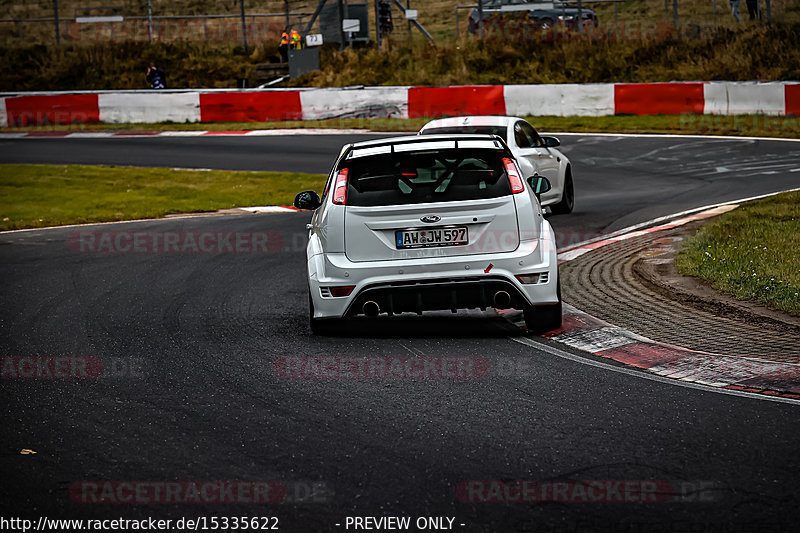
[
  {"x": 536, "y": 154},
  {"x": 542, "y": 14}
]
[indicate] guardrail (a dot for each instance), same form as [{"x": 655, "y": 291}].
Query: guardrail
[{"x": 678, "y": 98}]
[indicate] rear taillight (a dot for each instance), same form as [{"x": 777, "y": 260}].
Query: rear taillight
[
  {"x": 340, "y": 188},
  {"x": 338, "y": 292},
  {"x": 514, "y": 177}
]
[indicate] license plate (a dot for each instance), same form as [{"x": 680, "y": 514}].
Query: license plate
[{"x": 431, "y": 237}]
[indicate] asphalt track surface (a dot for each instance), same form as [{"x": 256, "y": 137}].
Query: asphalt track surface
[{"x": 192, "y": 339}]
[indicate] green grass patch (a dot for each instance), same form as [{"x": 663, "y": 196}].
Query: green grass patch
[
  {"x": 48, "y": 195},
  {"x": 751, "y": 253},
  {"x": 747, "y": 125}
]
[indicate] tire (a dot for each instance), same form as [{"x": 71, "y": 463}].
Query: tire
[
  {"x": 546, "y": 317},
  {"x": 324, "y": 327},
  {"x": 567, "y": 202}
]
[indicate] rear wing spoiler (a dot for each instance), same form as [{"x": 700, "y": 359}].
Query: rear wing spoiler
[{"x": 392, "y": 146}]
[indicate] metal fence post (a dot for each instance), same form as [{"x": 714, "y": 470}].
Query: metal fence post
[
  {"x": 378, "y": 25},
  {"x": 341, "y": 28},
  {"x": 149, "y": 21},
  {"x": 675, "y": 13},
  {"x": 244, "y": 27},
  {"x": 55, "y": 19},
  {"x": 480, "y": 19}
]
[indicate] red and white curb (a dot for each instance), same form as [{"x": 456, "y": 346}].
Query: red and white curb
[{"x": 587, "y": 333}]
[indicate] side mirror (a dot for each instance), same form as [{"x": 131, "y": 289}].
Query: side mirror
[
  {"x": 307, "y": 200},
  {"x": 551, "y": 142},
  {"x": 539, "y": 184}
]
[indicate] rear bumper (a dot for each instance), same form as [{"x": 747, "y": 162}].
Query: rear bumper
[
  {"x": 419, "y": 285},
  {"x": 416, "y": 296}
]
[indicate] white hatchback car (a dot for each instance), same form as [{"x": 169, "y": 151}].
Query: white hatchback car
[
  {"x": 536, "y": 154},
  {"x": 423, "y": 223}
]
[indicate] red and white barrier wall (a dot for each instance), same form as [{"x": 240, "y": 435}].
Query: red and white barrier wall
[{"x": 725, "y": 98}]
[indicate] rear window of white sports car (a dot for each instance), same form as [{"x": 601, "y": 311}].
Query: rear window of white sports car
[{"x": 426, "y": 176}]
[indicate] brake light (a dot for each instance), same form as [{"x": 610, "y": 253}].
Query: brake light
[
  {"x": 514, "y": 177},
  {"x": 340, "y": 188},
  {"x": 338, "y": 292}
]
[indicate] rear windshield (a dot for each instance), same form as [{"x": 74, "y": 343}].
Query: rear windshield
[
  {"x": 426, "y": 176},
  {"x": 484, "y": 130}
]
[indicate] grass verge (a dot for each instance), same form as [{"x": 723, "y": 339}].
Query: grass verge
[
  {"x": 751, "y": 253},
  {"x": 742, "y": 125},
  {"x": 34, "y": 196}
]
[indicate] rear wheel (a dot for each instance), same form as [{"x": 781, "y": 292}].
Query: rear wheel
[
  {"x": 544, "y": 318},
  {"x": 567, "y": 197}
]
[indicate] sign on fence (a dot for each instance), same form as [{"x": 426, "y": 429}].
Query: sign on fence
[
  {"x": 351, "y": 25},
  {"x": 314, "y": 39}
]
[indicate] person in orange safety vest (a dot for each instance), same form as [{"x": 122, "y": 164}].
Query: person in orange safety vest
[
  {"x": 294, "y": 40},
  {"x": 284, "y": 46}
]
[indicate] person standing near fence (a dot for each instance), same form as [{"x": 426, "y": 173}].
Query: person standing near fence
[
  {"x": 295, "y": 40},
  {"x": 156, "y": 77},
  {"x": 284, "y": 47},
  {"x": 735, "y": 10}
]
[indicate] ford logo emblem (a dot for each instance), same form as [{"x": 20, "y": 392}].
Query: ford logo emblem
[{"x": 431, "y": 219}]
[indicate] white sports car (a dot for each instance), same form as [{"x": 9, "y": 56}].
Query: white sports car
[
  {"x": 422, "y": 223},
  {"x": 536, "y": 154}
]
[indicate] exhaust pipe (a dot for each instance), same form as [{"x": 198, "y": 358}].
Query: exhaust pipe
[
  {"x": 502, "y": 300},
  {"x": 371, "y": 309}
]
